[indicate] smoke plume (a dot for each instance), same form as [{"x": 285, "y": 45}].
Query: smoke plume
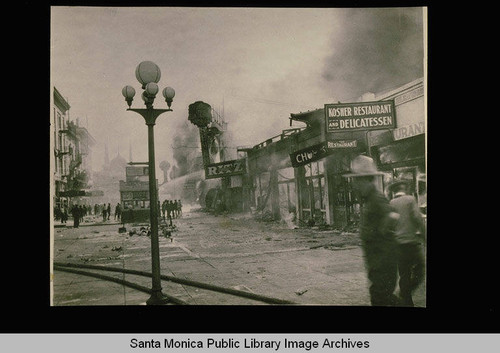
[{"x": 376, "y": 49}]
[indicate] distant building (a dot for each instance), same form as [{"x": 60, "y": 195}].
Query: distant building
[
  {"x": 107, "y": 180},
  {"x": 71, "y": 145}
]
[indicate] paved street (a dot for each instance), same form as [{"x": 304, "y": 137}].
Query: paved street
[{"x": 305, "y": 266}]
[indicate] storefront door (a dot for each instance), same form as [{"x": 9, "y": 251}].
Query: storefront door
[{"x": 313, "y": 197}]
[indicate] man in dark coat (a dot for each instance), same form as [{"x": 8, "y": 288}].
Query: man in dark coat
[
  {"x": 118, "y": 211},
  {"x": 164, "y": 208},
  {"x": 376, "y": 232},
  {"x": 75, "y": 212}
]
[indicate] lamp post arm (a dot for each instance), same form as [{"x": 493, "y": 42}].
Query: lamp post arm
[{"x": 149, "y": 115}]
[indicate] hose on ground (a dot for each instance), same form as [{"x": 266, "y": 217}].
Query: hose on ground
[
  {"x": 119, "y": 281},
  {"x": 231, "y": 291}
]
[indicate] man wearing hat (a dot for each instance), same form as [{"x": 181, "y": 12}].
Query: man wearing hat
[
  {"x": 376, "y": 229},
  {"x": 410, "y": 233}
]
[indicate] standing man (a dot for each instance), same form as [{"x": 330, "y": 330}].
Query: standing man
[
  {"x": 376, "y": 231},
  {"x": 164, "y": 208},
  {"x": 64, "y": 215},
  {"x": 118, "y": 211},
  {"x": 410, "y": 235},
  {"x": 75, "y": 212},
  {"x": 109, "y": 211}
]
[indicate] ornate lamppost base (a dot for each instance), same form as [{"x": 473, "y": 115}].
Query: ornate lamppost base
[{"x": 158, "y": 298}]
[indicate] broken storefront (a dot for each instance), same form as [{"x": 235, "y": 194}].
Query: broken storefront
[{"x": 297, "y": 176}]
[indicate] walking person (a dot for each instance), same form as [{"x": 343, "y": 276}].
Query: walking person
[
  {"x": 164, "y": 208},
  {"x": 104, "y": 212},
  {"x": 75, "y": 212},
  {"x": 376, "y": 232},
  {"x": 169, "y": 211},
  {"x": 410, "y": 235},
  {"x": 81, "y": 212},
  {"x": 176, "y": 209},
  {"x": 108, "y": 211},
  {"x": 118, "y": 211},
  {"x": 64, "y": 214}
]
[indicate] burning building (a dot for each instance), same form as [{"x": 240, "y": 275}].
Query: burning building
[{"x": 298, "y": 174}]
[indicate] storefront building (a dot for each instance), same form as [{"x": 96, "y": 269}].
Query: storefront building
[
  {"x": 401, "y": 152},
  {"x": 299, "y": 174}
]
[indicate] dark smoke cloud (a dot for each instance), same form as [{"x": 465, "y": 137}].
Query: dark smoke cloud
[{"x": 377, "y": 49}]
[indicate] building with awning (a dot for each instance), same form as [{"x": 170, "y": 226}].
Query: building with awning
[{"x": 299, "y": 173}]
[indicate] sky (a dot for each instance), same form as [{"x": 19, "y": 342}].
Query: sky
[{"x": 257, "y": 65}]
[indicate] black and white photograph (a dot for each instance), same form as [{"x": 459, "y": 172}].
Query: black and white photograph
[{"x": 238, "y": 156}]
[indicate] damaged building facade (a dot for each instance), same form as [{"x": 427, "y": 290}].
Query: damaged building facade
[{"x": 297, "y": 176}]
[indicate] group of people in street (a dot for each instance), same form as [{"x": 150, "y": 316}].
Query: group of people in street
[
  {"x": 78, "y": 212},
  {"x": 61, "y": 213},
  {"x": 172, "y": 208},
  {"x": 392, "y": 236},
  {"x": 105, "y": 211}
]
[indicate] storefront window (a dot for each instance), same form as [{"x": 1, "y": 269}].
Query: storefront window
[
  {"x": 313, "y": 193},
  {"x": 285, "y": 174},
  {"x": 262, "y": 189},
  {"x": 403, "y": 150},
  {"x": 307, "y": 167},
  {"x": 323, "y": 194},
  {"x": 306, "y": 196},
  {"x": 286, "y": 189}
]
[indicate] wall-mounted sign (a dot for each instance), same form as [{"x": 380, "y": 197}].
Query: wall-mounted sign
[
  {"x": 72, "y": 193},
  {"x": 360, "y": 116},
  {"x": 319, "y": 151},
  {"x": 409, "y": 131},
  {"x": 342, "y": 144},
  {"x": 408, "y": 96},
  {"x": 136, "y": 171},
  {"x": 309, "y": 154},
  {"x": 223, "y": 169}
]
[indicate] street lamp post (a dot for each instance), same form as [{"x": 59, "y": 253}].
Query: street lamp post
[{"x": 148, "y": 74}]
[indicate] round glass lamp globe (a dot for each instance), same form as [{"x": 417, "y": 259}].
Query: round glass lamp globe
[
  {"x": 146, "y": 72},
  {"x": 128, "y": 92},
  {"x": 168, "y": 92},
  {"x": 152, "y": 88}
]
